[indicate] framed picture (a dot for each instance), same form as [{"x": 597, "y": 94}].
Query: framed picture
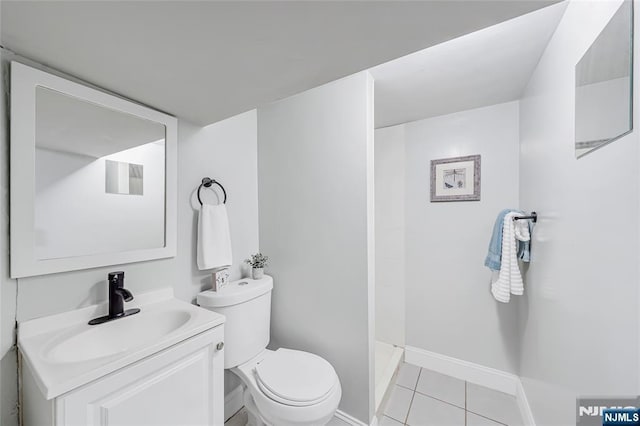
[
  {"x": 220, "y": 279},
  {"x": 455, "y": 179}
]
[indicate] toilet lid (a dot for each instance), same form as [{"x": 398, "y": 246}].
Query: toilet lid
[{"x": 295, "y": 377}]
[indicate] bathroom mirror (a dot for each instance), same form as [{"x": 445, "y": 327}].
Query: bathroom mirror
[
  {"x": 93, "y": 178},
  {"x": 604, "y": 85}
]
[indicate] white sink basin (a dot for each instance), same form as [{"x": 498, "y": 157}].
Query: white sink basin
[
  {"x": 65, "y": 352},
  {"x": 110, "y": 338}
]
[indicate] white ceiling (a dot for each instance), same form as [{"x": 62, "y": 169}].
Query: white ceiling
[
  {"x": 206, "y": 61},
  {"x": 486, "y": 67}
]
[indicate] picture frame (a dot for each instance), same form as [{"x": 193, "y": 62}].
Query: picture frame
[
  {"x": 219, "y": 279},
  {"x": 455, "y": 179}
]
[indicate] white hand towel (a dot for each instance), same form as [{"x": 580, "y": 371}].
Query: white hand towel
[
  {"x": 214, "y": 238},
  {"x": 509, "y": 280},
  {"x": 522, "y": 230}
]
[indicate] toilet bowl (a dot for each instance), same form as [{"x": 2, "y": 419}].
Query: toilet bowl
[
  {"x": 289, "y": 388},
  {"x": 284, "y": 387}
]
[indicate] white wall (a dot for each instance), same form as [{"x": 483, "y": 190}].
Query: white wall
[
  {"x": 580, "y": 310},
  {"x": 8, "y": 287},
  {"x": 315, "y": 169},
  {"x": 389, "y": 235},
  {"x": 225, "y": 151},
  {"x": 450, "y": 309}
]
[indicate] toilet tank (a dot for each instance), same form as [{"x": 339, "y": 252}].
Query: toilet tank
[{"x": 246, "y": 304}]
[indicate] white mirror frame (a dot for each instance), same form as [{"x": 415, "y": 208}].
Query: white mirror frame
[{"x": 24, "y": 80}]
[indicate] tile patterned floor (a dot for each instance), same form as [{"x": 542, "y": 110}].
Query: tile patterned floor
[{"x": 421, "y": 397}]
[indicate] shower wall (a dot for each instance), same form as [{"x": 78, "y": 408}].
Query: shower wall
[
  {"x": 389, "y": 235},
  {"x": 450, "y": 309}
]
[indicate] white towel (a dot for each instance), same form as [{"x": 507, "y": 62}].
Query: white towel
[
  {"x": 509, "y": 280},
  {"x": 214, "y": 238},
  {"x": 521, "y": 228}
]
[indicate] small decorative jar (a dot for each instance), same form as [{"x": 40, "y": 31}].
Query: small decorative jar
[
  {"x": 258, "y": 273},
  {"x": 257, "y": 261}
]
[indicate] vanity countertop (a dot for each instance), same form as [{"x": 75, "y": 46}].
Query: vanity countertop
[{"x": 64, "y": 352}]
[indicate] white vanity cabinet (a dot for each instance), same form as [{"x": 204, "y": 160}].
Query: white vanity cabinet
[
  {"x": 161, "y": 366},
  {"x": 182, "y": 385}
]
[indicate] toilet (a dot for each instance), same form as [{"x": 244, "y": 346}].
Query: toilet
[{"x": 280, "y": 388}]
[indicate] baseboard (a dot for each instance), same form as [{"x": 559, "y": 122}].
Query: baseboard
[
  {"x": 465, "y": 370},
  {"x": 352, "y": 420},
  {"x": 475, "y": 373},
  {"x": 233, "y": 402},
  {"x": 523, "y": 405}
]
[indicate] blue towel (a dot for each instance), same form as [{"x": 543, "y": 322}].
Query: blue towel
[{"x": 494, "y": 254}]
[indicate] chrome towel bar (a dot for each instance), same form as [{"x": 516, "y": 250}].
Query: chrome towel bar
[{"x": 533, "y": 216}]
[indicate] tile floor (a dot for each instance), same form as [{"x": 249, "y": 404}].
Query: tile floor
[{"x": 421, "y": 397}]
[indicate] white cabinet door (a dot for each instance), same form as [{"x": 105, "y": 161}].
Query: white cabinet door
[{"x": 180, "y": 386}]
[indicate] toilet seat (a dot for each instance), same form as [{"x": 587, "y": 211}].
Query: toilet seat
[{"x": 295, "y": 378}]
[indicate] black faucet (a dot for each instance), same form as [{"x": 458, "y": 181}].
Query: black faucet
[{"x": 117, "y": 296}]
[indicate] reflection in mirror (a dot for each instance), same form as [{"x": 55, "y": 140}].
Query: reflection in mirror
[
  {"x": 124, "y": 178},
  {"x": 603, "y": 97},
  {"x": 86, "y": 157}
]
